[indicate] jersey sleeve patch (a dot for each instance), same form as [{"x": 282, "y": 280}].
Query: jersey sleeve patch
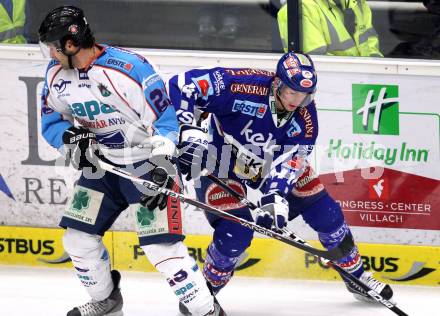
[
  {"x": 204, "y": 85},
  {"x": 155, "y": 93},
  {"x": 119, "y": 64}
]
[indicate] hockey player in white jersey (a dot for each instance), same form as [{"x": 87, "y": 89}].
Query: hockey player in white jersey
[{"x": 102, "y": 102}]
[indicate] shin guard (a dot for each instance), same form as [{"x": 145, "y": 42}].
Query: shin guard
[
  {"x": 91, "y": 261},
  {"x": 218, "y": 268},
  {"x": 183, "y": 275},
  {"x": 352, "y": 263}
]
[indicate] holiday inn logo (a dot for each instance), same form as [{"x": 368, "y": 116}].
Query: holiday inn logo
[
  {"x": 375, "y": 112},
  {"x": 375, "y": 109}
]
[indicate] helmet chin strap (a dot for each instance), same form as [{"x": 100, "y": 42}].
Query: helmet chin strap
[
  {"x": 69, "y": 56},
  {"x": 277, "y": 91},
  {"x": 283, "y": 110}
]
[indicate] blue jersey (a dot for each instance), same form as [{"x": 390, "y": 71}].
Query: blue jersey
[
  {"x": 253, "y": 142},
  {"x": 119, "y": 96}
]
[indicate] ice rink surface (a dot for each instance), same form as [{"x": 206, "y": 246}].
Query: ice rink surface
[{"x": 26, "y": 291}]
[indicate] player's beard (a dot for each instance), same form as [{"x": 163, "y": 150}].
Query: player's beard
[{"x": 64, "y": 61}]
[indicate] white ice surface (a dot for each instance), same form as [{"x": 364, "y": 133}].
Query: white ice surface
[{"x": 28, "y": 291}]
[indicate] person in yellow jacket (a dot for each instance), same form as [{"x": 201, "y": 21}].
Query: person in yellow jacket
[
  {"x": 12, "y": 21},
  {"x": 325, "y": 33}
]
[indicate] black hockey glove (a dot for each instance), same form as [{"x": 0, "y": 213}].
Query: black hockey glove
[
  {"x": 81, "y": 149},
  {"x": 160, "y": 176}
]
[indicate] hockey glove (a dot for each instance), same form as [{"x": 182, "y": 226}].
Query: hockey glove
[
  {"x": 160, "y": 176},
  {"x": 192, "y": 150},
  {"x": 81, "y": 148},
  {"x": 274, "y": 211}
]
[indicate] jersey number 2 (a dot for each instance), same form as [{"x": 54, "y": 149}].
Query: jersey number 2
[{"x": 161, "y": 103}]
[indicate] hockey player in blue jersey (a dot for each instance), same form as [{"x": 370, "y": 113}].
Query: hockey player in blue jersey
[
  {"x": 263, "y": 126},
  {"x": 102, "y": 102}
]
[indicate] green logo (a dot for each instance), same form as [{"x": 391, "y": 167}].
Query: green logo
[
  {"x": 103, "y": 89},
  {"x": 81, "y": 200},
  {"x": 90, "y": 109},
  {"x": 375, "y": 109},
  {"x": 145, "y": 217}
]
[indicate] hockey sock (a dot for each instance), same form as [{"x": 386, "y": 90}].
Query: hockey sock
[
  {"x": 182, "y": 274},
  {"x": 352, "y": 263},
  {"x": 91, "y": 261},
  {"x": 218, "y": 268}
]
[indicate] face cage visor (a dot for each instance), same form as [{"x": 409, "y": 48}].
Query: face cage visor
[
  {"x": 290, "y": 96},
  {"x": 45, "y": 48}
]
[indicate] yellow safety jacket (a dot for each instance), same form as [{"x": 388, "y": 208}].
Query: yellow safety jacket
[
  {"x": 11, "y": 31},
  {"x": 324, "y": 32}
]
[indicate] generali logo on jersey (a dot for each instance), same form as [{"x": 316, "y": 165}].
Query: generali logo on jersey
[{"x": 249, "y": 89}]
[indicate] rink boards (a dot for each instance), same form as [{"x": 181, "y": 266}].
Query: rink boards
[
  {"x": 393, "y": 211},
  {"x": 386, "y": 177},
  {"x": 415, "y": 265}
]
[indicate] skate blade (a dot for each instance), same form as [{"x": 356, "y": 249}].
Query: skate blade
[
  {"x": 118, "y": 313},
  {"x": 362, "y": 298}
]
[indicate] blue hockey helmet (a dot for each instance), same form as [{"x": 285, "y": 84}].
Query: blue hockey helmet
[{"x": 297, "y": 72}]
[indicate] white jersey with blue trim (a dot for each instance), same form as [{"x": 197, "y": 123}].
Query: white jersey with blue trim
[{"x": 119, "y": 96}]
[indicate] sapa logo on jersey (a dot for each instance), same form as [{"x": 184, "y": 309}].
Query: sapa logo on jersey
[
  {"x": 379, "y": 189},
  {"x": 91, "y": 109},
  {"x": 249, "y": 108},
  {"x": 375, "y": 109}
]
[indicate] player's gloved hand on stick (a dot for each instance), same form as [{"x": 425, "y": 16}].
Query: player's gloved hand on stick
[
  {"x": 274, "y": 211},
  {"x": 163, "y": 178},
  {"x": 162, "y": 172},
  {"x": 192, "y": 150},
  {"x": 81, "y": 148}
]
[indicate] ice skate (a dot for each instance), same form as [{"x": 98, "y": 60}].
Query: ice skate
[
  {"x": 218, "y": 310},
  {"x": 111, "y": 306},
  {"x": 367, "y": 278}
]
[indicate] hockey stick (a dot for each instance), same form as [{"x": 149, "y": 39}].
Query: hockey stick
[
  {"x": 358, "y": 284},
  {"x": 333, "y": 254}
]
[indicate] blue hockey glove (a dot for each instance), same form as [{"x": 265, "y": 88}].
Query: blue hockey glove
[
  {"x": 192, "y": 150},
  {"x": 274, "y": 211},
  {"x": 81, "y": 148}
]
